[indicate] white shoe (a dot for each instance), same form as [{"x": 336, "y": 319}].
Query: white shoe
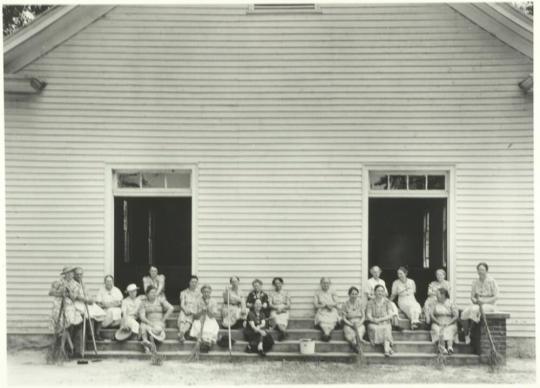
[{"x": 467, "y": 339}]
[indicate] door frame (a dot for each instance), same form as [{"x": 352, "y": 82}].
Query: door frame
[
  {"x": 109, "y": 204},
  {"x": 449, "y": 171}
]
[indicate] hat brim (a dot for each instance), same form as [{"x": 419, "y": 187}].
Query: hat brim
[
  {"x": 67, "y": 270},
  {"x": 122, "y": 334},
  {"x": 159, "y": 337},
  {"x": 135, "y": 289}
]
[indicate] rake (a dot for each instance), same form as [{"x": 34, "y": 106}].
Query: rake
[
  {"x": 495, "y": 359},
  {"x": 196, "y": 351},
  {"x": 57, "y": 351},
  {"x": 360, "y": 356}
]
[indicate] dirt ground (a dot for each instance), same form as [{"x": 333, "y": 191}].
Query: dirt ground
[{"x": 29, "y": 368}]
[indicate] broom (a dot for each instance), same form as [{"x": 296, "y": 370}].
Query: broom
[
  {"x": 229, "y": 323},
  {"x": 360, "y": 357},
  {"x": 196, "y": 351},
  {"x": 440, "y": 361},
  {"x": 57, "y": 350},
  {"x": 155, "y": 358},
  {"x": 495, "y": 360}
]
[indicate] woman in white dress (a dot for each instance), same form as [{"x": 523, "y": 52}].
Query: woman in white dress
[
  {"x": 404, "y": 289},
  {"x": 206, "y": 315},
  {"x": 235, "y": 311},
  {"x": 433, "y": 287},
  {"x": 189, "y": 300},
  {"x": 131, "y": 307},
  {"x": 484, "y": 291},
  {"x": 280, "y": 305},
  {"x": 326, "y": 306},
  {"x": 109, "y": 298}
]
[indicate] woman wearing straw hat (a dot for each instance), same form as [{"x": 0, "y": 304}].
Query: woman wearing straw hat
[
  {"x": 60, "y": 291},
  {"x": 205, "y": 326},
  {"x": 109, "y": 298},
  {"x": 131, "y": 306},
  {"x": 153, "y": 319},
  {"x": 189, "y": 300}
]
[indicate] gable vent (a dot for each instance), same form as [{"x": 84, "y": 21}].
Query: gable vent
[{"x": 284, "y": 8}]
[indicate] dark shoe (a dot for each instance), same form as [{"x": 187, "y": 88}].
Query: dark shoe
[
  {"x": 397, "y": 328},
  {"x": 326, "y": 338},
  {"x": 261, "y": 353}
]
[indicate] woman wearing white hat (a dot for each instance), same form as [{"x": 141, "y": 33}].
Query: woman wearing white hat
[
  {"x": 153, "y": 319},
  {"x": 129, "y": 324}
]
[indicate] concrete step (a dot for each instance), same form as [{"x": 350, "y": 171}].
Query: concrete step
[
  {"x": 371, "y": 358},
  {"x": 289, "y": 346},
  {"x": 296, "y": 334}
]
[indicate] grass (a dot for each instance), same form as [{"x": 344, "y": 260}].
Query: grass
[{"x": 29, "y": 368}]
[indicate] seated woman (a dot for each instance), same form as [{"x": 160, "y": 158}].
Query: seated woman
[
  {"x": 259, "y": 339},
  {"x": 205, "y": 326},
  {"x": 280, "y": 304},
  {"x": 326, "y": 316},
  {"x": 375, "y": 280},
  {"x": 353, "y": 316},
  {"x": 404, "y": 289},
  {"x": 444, "y": 316},
  {"x": 379, "y": 314},
  {"x": 153, "y": 318},
  {"x": 109, "y": 298},
  {"x": 189, "y": 300},
  {"x": 433, "y": 287},
  {"x": 235, "y": 312},
  {"x": 156, "y": 280},
  {"x": 258, "y": 293},
  {"x": 484, "y": 292},
  {"x": 131, "y": 307}
]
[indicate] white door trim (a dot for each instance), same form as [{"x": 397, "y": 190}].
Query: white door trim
[
  {"x": 450, "y": 195},
  {"x": 109, "y": 206}
]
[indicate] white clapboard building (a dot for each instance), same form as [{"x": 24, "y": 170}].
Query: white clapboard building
[{"x": 297, "y": 141}]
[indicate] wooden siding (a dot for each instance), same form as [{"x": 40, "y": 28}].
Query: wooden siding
[{"x": 280, "y": 113}]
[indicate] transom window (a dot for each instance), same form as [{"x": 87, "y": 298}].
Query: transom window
[
  {"x": 400, "y": 181},
  {"x": 172, "y": 179}
]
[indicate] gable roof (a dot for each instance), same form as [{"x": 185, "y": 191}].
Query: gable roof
[{"x": 62, "y": 22}]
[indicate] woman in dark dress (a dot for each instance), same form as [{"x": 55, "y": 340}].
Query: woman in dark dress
[
  {"x": 258, "y": 293},
  {"x": 259, "y": 339}
]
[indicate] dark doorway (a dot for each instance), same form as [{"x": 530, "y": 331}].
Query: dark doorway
[
  {"x": 153, "y": 231},
  {"x": 410, "y": 232}
]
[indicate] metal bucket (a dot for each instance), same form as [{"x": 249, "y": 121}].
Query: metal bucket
[{"x": 307, "y": 346}]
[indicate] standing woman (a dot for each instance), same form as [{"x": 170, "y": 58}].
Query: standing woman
[
  {"x": 153, "y": 319},
  {"x": 444, "y": 316},
  {"x": 205, "y": 318},
  {"x": 379, "y": 314},
  {"x": 189, "y": 300},
  {"x": 280, "y": 304},
  {"x": 433, "y": 287},
  {"x": 404, "y": 289},
  {"x": 156, "y": 280},
  {"x": 60, "y": 290},
  {"x": 259, "y": 339},
  {"x": 484, "y": 291},
  {"x": 325, "y": 303},
  {"x": 353, "y": 316},
  {"x": 258, "y": 293},
  {"x": 237, "y": 305}
]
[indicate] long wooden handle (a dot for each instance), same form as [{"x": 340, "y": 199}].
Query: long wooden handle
[
  {"x": 229, "y": 321},
  {"x": 89, "y": 321},
  {"x": 483, "y": 317}
]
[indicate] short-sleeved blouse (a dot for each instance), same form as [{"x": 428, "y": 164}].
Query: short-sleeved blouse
[
  {"x": 210, "y": 304},
  {"x": 325, "y": 297},
  {"x": 487, "y": 288},
  {"x": 447, "y": 308},
  {"x": 109, "y": 296},
  {"x": 131, "y": 307},
  {"x": 156, "y": 282},
  {"x": 189, "y": 300},
  {"x": 434, "y": 286},
  {"x": 379, "y": 310},
  {"x": 235, "y": 296},
  {"x": 403, "y": 289},
  {"x": 279, "y": 298},
  {"x": 351, "y": 310}
]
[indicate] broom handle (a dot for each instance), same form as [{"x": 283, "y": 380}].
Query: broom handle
[
  {"x": 487, "y": 328},
  {"x": 89, "y": 321},
  {"x": 229, "y": 320},
  {"x": 83, "y": 339}
]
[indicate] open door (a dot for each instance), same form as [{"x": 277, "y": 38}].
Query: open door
[
  {"x": 411, "y": 232},
  {"x": 153, "y": 231}
]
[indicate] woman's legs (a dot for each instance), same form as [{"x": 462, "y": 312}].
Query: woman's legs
[{"x": 387, "y": 348}]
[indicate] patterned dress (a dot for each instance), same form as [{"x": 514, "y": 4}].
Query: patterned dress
[
  {"x": 381, "y": 331},
  {"x": 406, "y": 300},
  {"x": 188, "y": 307},
  {"x": 211, "y": 327},
  {"x": 432, "y": 296},
  {"x": 158, "y": 281},
  {"x": 237, "y": 307},
  {"x": 370, "y": 291},
  {"x": 71, "y": 316},
  {"x": 444, "y": 312},
  {"x": 96, "y": 312},
  {"x": 355, "y": 313},
  {"x": 153, "y": 311},
  {"x": 487, "y": 288},
  {"x": 130, "y": 313},
  {"x": 279, "y": 300},
  {"x": 113, "y": 314},
  {"x": 263, "y": 296},
  {"x": 326, "y": 318}
]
